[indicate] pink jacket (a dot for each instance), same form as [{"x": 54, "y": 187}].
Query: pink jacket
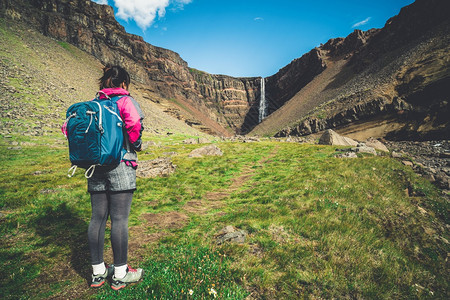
[{"x": 131, "y": 114}]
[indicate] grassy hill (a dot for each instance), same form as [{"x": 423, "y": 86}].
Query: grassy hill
[
  {"x": 317, "y": 226},
  {"x": 41, "y": 77}
]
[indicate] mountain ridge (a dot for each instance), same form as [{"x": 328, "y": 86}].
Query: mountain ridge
[
  {"x": 42, "y": 77},
  {"x": 224, "y": 105},
  {"x": 382, "y": 74}
]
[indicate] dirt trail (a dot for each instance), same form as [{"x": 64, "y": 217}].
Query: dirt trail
[
  {"x": 213, "y": 200},
  {"x": 140, "y": 238}
]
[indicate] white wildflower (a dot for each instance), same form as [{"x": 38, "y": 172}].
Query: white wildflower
[{"x": 213, "y": 292}]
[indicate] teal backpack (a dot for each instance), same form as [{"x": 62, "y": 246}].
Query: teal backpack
[{"x": 95, "y": 134}]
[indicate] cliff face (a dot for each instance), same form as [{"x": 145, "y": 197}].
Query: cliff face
[
  {"x": 214, "y": 102},
  {"x": 385, "y": 83},
  {"x": 396, "y": 72},
  {"x": 236, "y": 99},
  {"x": 287, "y": 82}
]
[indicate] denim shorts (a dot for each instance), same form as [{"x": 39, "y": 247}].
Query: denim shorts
[{"x": 121, "y": 178}]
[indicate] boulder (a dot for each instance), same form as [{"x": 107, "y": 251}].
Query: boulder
[
  {"x": 363, "y": 148},
  {"x": 190, "y": 141},
  {"x": 210, "y": 150},
  {"x": 203, "y": 140},
  {"x": 396, "y": 154},
  {"x": 194, "y": 141},
  {"x": 155, "y": 167},
  {"x": 376, "y": 144},
  {"x": 407, "y": 163},
  {"x": 347, "y": 155},
  {"x": 330, "y": 137},
  {"x": 231, "y": 234}
]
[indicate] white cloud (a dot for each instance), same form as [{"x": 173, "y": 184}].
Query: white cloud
[
  {"x": 144, "y": 12},
  {"x": 363, "y": 22},
  {"x": 101, "y": 1},
  {"x": 258, "y": 19}
]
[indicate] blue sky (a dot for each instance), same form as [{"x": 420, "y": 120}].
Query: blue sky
[{"x": 248, "y": 38}]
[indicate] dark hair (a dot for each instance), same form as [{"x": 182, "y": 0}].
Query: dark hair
[{"x": 114, "y": 76}]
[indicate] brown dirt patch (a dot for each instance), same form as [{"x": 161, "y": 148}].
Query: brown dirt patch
[
  {"x": 169, "y": 220},
  {"x": 140, "y": 238},
  {"x": 216, "y": 196},
  {"x": 239, "y": 181},
  {"x": 203, "y": 207},
  {"x": 196, "y": 207}
]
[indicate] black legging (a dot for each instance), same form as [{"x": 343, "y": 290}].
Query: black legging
[{"x": 116, "y": 205}]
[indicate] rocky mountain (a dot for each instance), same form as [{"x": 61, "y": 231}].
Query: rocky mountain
[
  {"x": 41, "y": 77},
  {"x": 387, "y": 82},
  {"x": 217, "y": 104}
]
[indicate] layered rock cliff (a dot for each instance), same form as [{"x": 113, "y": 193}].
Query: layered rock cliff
[
  {"x": 216, "y": 103},
  {"x": 287, "y": 82},
  {"x": 393, "y": 76},
  {"x": 385, "y": 83}
]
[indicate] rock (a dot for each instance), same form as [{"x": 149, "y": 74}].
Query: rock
[
  {"x": 364, "y": 149},
  {"x": 190, "y": 141},
  {"x": 421, "y": 210},
  {"x": 432, "y": 170},
  {"x": 145, "y": 145},
  {"x": 347, "y": 155},
  {"x": 155, "y": 167},
  {"x": 211, "y": 150},
  {"x": 429, "y": 177},
  {"x": 170, "y": 153},
  {"x": 446, "y": 171},
  {"x": 443, "y": 181},
  {"x": 376, "y": 144},
  {"x": 231, "y": 234},
  {"x": 396, "y": 154},
  {"x": 330, "y": 137},
  {"x": 250, "y": 139},
  {"x": 203, "y": 140},
  {"x": 407, "y": 163},
  {"x": 225, "y": 230}
]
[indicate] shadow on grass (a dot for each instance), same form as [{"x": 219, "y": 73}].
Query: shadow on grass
[{"x": 62, "y": 230}]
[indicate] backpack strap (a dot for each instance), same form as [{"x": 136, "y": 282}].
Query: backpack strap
[
  {"x": 72, "y": 169},
  {"x": 125, "y": 134},
  {"x": 97, "y": 96},
  {"x": 116, "y": 98},
  {"x": 88, "y": 174},
  {"x": 91, "y": 170}
]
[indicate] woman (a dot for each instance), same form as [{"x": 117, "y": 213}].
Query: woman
[{"x": 112, "y": 190}]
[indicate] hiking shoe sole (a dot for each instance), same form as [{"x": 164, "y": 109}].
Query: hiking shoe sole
[
  {"x": 99, "y": 280},
  {"x": 131, "y": 277}
]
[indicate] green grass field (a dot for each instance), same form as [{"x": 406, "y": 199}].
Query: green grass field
[{"x": 318, "y": 226}]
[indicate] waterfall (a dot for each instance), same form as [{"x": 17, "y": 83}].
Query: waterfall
[{"x": 262, "y": 102}]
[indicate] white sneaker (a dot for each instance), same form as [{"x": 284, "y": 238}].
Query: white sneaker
[{"x": 132, "y": 276}]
